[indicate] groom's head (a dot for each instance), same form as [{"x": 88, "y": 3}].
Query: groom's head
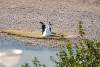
[{"x": 42, "y": 23}]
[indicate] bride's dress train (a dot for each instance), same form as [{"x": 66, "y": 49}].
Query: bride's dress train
[{"x": 47, "y": 31}]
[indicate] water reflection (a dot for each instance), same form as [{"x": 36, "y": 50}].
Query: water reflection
[{"x": 9, "y": 47}]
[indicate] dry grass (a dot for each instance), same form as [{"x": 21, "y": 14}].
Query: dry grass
[
  {"x": 38, "y": 35},
  {"x": 22, "y": 33}
]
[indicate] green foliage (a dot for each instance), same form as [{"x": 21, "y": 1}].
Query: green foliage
[
  {"x": 81, "y": 30},
  {"x": 35, "y": 62},
  {"x": 25, "y": 65},
  {"x": 86, "y": 53}
]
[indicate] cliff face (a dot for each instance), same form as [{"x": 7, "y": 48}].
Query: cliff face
[{"x": 63, "y": 14}]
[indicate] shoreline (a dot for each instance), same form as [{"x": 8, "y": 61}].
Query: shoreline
[{"x": 39, "y": 43}]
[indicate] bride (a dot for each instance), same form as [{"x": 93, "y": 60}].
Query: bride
[{"x": 47, "y": 30}]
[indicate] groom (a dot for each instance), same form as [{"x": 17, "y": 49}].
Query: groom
[{"x": 43, "y": 27}]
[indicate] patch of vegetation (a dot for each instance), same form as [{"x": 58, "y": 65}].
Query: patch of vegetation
[{"x": 35, "y": 62}]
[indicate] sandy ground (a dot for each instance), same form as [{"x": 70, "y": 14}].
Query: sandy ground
[{"x": 9, "y": 60}]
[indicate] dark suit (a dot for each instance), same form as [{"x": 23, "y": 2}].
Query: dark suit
[{"x": 43, "y": 27}]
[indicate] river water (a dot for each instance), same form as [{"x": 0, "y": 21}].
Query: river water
[{"x": 7, "y": 44}]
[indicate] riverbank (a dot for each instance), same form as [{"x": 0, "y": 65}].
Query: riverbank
[{"x": 44, "y": 42}]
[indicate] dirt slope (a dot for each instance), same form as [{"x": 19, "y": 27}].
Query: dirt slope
[{"x": 63, "y": 14}]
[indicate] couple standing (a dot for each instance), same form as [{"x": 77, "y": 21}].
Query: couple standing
[{"x": 46, "y": 29}]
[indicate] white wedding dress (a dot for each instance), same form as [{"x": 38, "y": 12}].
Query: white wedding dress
[{"x": 47, "y": 31}]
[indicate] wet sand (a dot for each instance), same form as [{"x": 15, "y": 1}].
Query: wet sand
[{"x": 9, "y": 60}]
